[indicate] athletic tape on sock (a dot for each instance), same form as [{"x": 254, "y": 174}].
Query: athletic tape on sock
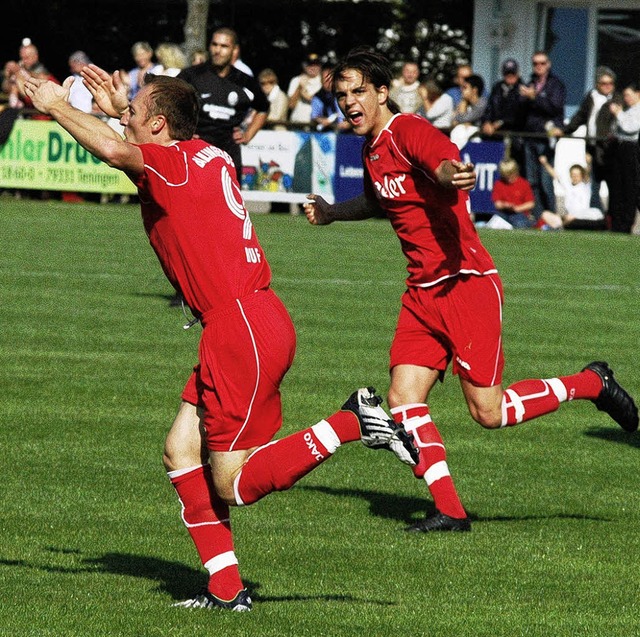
[
  {"x": 219, "y": 562},
  {"x": 405, "y": 409},
  {"x": 324, "y": 432},
  {"x": 511, "y": 399},
  {"x": 436, "y": 471},
  {"x": 558, "y": 388}
]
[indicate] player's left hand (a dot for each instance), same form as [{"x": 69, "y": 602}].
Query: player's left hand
[
  {"x": 108, "y": 90},
  {"x": 464, "y": 177}
]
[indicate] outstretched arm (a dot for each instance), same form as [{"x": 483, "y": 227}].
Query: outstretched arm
[
  {"x": 548, "y": 167},
  {"x": 452, "y": 173},
  {"x": 321, "y": 213},
  {"x": 90, "y": 132}
]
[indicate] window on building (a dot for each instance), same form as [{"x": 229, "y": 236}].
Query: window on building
[
  {"x": 619, "y": 43},
  {"x": 566, "y": 35}
]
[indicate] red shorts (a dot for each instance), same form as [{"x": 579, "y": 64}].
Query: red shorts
[
  {"x": 244, "y": 353},
  {"x": 459, "y": 320}
]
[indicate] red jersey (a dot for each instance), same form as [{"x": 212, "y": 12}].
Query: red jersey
[
  {"x": 433, "y": 223},
  {"x": 198, "y": 226},
  {"x": 515, "y": 193}
]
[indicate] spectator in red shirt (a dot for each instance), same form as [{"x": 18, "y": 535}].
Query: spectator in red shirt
[{"x": 512, "y": 195}]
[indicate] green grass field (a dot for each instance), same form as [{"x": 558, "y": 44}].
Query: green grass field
[{"x": 92, "y": 361}]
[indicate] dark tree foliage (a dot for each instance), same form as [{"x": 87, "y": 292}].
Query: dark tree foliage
[{"x": 276, "y": 33}]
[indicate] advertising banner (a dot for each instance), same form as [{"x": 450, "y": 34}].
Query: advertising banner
[
  {"x": 485, "y": 155},
  {"x": 287, "y": 165},
  {"x": 349, "y": 171},
  {"x": 40, "y": 155},
  {"x": 277, "y": 165}
]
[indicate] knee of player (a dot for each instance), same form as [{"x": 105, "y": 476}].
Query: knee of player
[
  {"x": 487, "y": 418},
  {"x": 168, "y": 460},
  {"x": 225, "y": 491},
  {"x": 397, "y": 397}
]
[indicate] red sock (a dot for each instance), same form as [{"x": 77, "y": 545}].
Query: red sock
[
  {"x": 207, "y": 520},
  {"x": 528, "y": 399},
  {"x": 586, "y": 384},
  {"x": 433, "y": 458},
  {"x": 278, "y": 465}
]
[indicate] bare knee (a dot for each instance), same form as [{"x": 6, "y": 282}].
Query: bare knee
[
  {"x": 184, "y": 446},
  {"x": 485, "y": 404},
  {"x": 226, "y": 467},
  {"x": 180, "y": 453},
  {"x": 395, "y": 398},
  {"x": 168, "y": 461},
  {"x": 410, "y": 384},
  {"x": 226, "y": 493},
  {"x": 487, "y": 418}
]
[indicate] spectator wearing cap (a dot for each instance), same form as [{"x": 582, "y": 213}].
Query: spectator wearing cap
[
  {"x": 79, "y": 95},
  {"x": 302, "y": 88},
  {"x": 505, "y": 107}
]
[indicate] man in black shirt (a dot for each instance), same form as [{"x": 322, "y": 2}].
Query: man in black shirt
[
  {"x": 505, "y": 108},
  {"x": 227, "y": 98}
]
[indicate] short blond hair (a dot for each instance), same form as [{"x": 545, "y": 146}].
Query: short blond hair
[{"x": 508, "y": 168}]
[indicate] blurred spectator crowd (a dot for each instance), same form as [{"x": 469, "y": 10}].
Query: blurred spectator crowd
[{"x": 600, "y": 191}]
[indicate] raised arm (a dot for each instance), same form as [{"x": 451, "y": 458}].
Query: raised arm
[
  {"x": 321, "y": 213},
  {"x": 89, "y": 131}
]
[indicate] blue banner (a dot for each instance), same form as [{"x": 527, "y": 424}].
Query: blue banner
[
  {"x": 347, "y": 182},
  {"x": 485, "y": 155}
]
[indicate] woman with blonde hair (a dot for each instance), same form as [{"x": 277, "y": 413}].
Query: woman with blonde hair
[{"x": 171, "y": 57}]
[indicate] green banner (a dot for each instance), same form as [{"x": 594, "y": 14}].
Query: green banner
[{"x": 40, "y": 155}]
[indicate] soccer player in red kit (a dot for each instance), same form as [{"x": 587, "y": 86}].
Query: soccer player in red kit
[
  {"x": 219, "y": 451},
  {"x": 451, "y": 311}
]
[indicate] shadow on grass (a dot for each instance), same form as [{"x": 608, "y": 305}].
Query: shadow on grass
[
  {"x": 409, "y": 509},
  {"x": 173, "y": 578},
  {"x": 165, "y": 296},
  {"x": 382, "y": 505},
  {"x": 615, "y": 435}
]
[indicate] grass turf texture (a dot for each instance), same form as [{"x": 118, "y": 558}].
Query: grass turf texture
[{"x": 92, "y": 360}]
